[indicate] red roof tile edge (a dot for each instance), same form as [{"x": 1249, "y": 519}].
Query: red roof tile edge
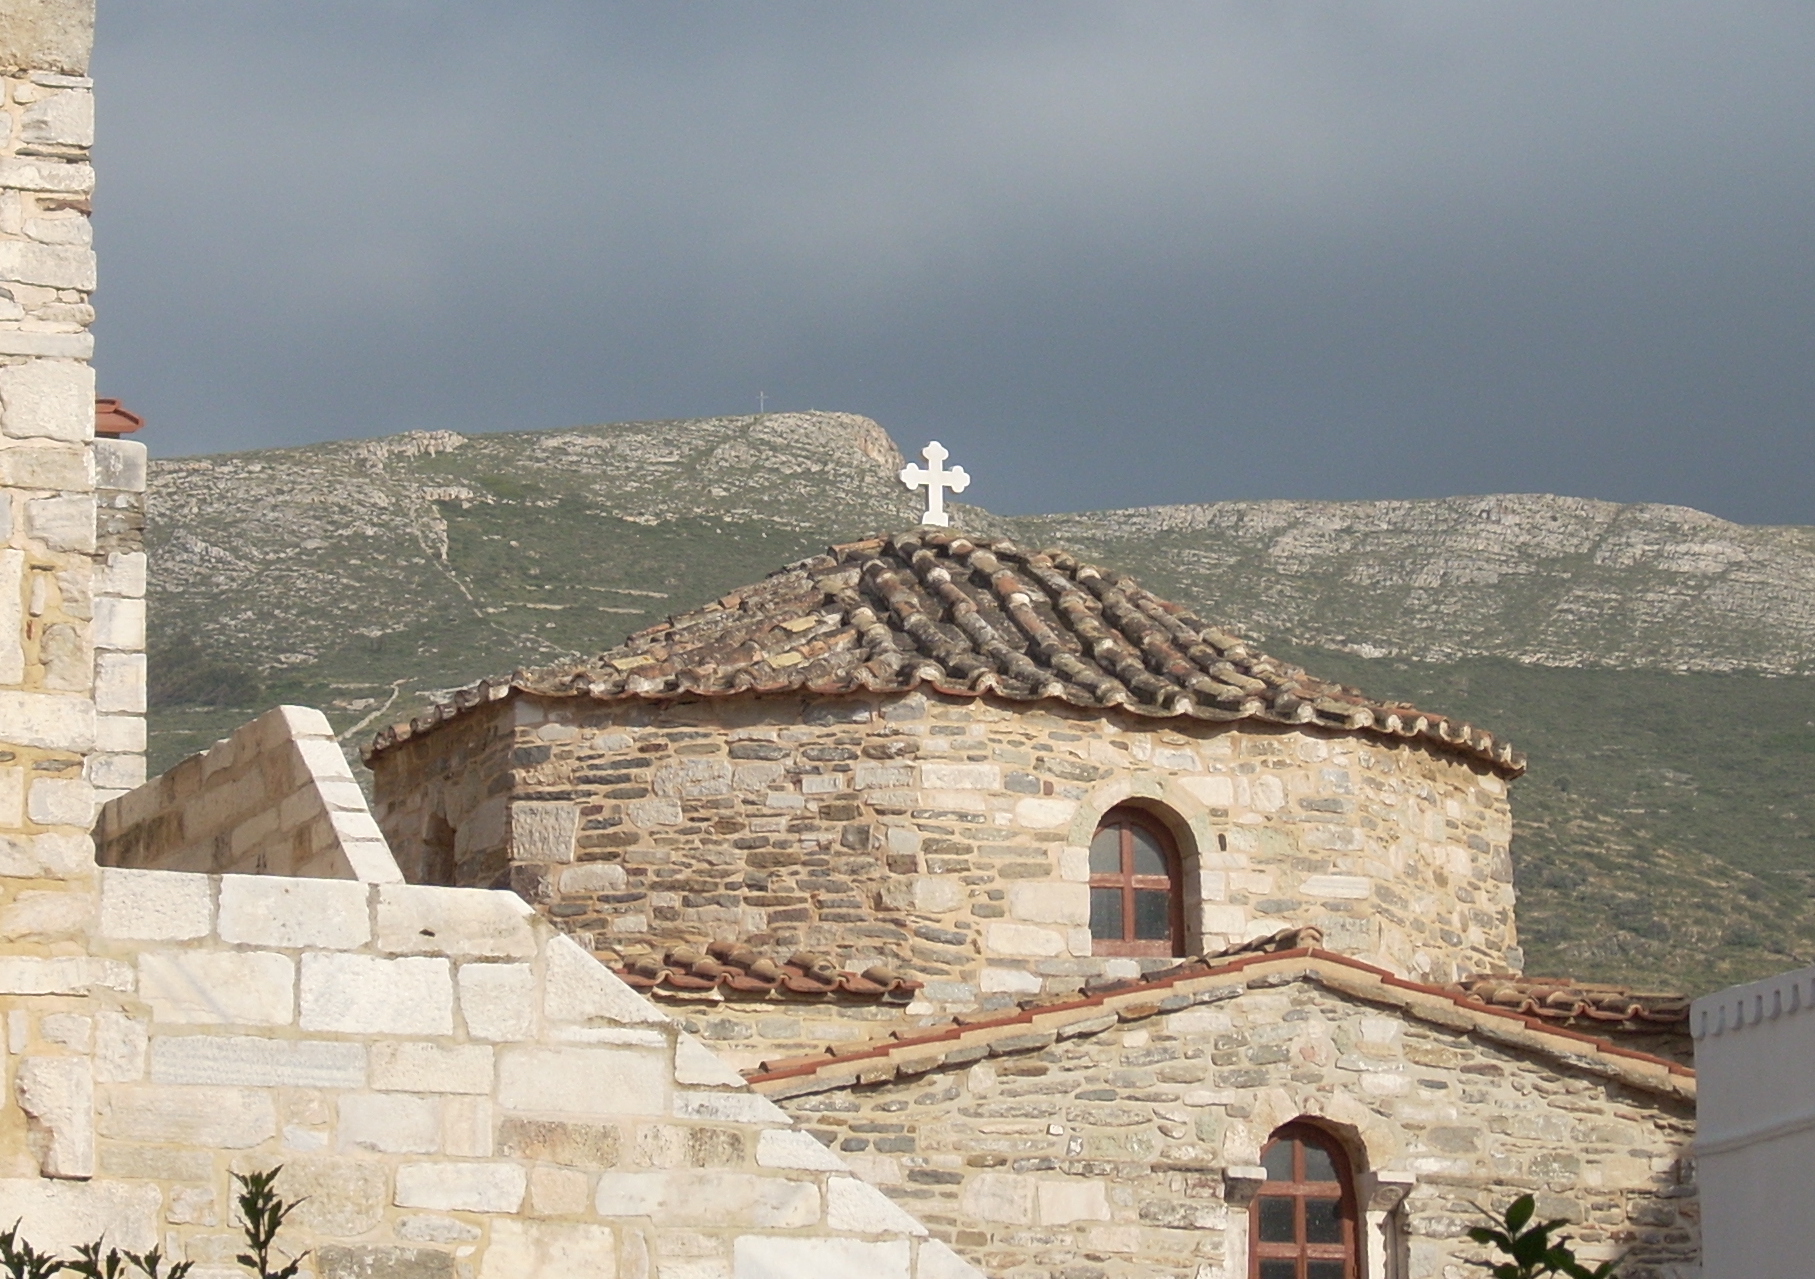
[{"x": 798, "y": 1067}]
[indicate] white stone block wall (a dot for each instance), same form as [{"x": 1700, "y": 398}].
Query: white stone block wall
[
  {"x": 452, "y": 1086},
  {"x": 275, "y": 797}
]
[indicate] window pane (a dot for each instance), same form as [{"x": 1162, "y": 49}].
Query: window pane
[
  {"x": 1319, "y": 1165},
  {"x": 1152, "y": 915},
  {"x": 1149, "y": 856},
  {"x": 1278, "y": 1160},
  {"x": 1276, "y": 1223},
  {"x": 1281, "y": 1270},
  {"x": 1323, "y": 1220},
  {"x": 1106, "y": 913},
  {"x": 1326, "y": 1270},
  {"x": 1106, "y": 852}
]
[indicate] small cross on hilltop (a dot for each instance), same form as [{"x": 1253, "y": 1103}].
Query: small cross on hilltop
[{"x": 935, "y": 480}]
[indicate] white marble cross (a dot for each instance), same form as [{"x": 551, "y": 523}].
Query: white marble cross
[{"x": 935, "y": 480}]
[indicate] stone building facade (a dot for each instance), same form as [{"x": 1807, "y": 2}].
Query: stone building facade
[
  {"x": 700, "y": 785},
  {"x": 1121, "y": 1134}
]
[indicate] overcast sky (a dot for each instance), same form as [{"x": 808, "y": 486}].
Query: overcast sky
[{"x": 1111, "y": 254}]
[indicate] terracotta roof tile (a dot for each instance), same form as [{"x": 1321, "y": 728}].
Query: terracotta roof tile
[
  {"x": 968, "y": 617},
  {"x": 1207, "y": 980},
  {"x": 731, "y": 969},
  {"x": 1561, "y": 999}
]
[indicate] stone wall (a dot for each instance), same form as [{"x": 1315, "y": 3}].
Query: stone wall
[
  {"x": 274, "y": 798},
  {"x": 456, "y": 1088},
  {"x": 947, "y": 835},
  {"x": 1123, "y": 1142}
]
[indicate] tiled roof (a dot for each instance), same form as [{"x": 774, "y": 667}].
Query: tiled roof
[
  {"x": 736, "y": 970},
  {"x": 1560, "y": 999},
  {"x": 113, "y": 419},
  {"x": 969, "y": 617},
  {"x": 1035, "y": 1026}
]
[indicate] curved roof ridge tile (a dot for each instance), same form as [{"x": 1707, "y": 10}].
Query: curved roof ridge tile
[{"x": 967, "y": 617}]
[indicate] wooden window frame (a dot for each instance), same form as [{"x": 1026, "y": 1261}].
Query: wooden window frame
[
  {"x": 1172, "y": 883},
  {"x": 1349, "y": 1250}
]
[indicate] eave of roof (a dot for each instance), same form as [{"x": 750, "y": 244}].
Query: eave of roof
[
  {"x": 967, "y": 617},
  {"x": 1034, "y": 1027}
]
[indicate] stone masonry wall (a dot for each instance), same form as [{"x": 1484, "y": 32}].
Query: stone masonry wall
[
  {"x": 458, "y": 1090},
  {"x": 948, "y": 836},
  {"x": 1115, "y": 1152},
  {"x": 274, "y": 798}
]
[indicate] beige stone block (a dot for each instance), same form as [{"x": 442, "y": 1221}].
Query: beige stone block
[
  {"x": 941, "y": 776},
  {"x": 120, "y": 1047},
  {"x": 376, "y": 1261},
  {"x": 583, "y": 1081},
  {"x": 48, "y": 465},
  {"x": 429, "y": 1228},
  {"x": 12, "y": 796},
  {"x": 461, "y": 1186},
  {"x": 790, "y": 1148},
  {"x": 193, "y": 1206},
  {"x": 1226, "y": 921},
  {"x": 999, "y": 1196},
  {"x": 1074, "y": 1199},
  {"x": 543, "y": 831},
  {"x": 155, "y": 1163},
  {"x": 58, "y": 1216},
  {"x": 466, "y": 1126},
  {"x": 44, "y": 915},
  {"x": 709, "y": 1197},
  {"x": 111, "y": 774},
  {"x": 864, "y": 1210},
  {"x": 65, "y": 523},
  {"x": 392, "y": 1123},
  {"x": 577, "y": 987},
  {"x": 269, "y": 910},
  {"x": 1023, "y": 940},
  {"x": 1015, "y": 980},
  {"x": 593, "y": 877},
  {"x": 1214, "y": 792},
  {"x": 559, "y": 1192},
  {"x": 48, "y": 174},
  {"x": 928, "y": 894},
  {"x": 223, "y": 1118},
  {"x": 367, "y": 995},
  {"x": 119, "y": 623},
  {"x": 61, "y": 801},
  {"x": 65, "y": 117},
  {"x": 52, "y": 721},
  {"x": 1041, "y": 903},
  {"x": 74, "y": 1031},
  {"x": 785, "y": 1257},
  {"x": 465, "y": 922},
  {"x": 120, "y": 683},
  {"x": 121, "y": 573},
  {"x": 1036, "y": 813},
  {"x": 257, "y": 1062},
  {"x": 551, "y": 1250},
  {"x": 693, "y": 779},
  {"x": 1355, "y": 887},
  {"x": 61, "y": 974},
  {"x": 647, "y": 813},
  {"x": 46, "y": 399},
  {"x": 432, "y": 1068},
  {"x": 318, "y": 759},
  {"x": 727, "y": 1107},
  {"x": 498, "y": 1001},
  {"x": 155, "y": 905},
  {"x": 594, "y": 1146},
  {"x": 56, "y": 855},
  {"x": 219, "y": 988},
  {"x": 58, "y": 1097},
  {"x": 338, "y": 1196}
]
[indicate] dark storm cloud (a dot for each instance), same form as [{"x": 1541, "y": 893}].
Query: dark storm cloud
[{"x": 1111, "y": 254}]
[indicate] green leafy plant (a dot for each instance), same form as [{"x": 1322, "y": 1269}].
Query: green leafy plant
[
  {"x": 92, "y": 1263},
  {"x": 1528, "y": 1248},
  {"x": 19, "y": 1260},
  {"x": 152, "y": 1263},
  {"x": 264, "y": 1211}
]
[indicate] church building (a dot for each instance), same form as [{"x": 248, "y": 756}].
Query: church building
[{"x": 1099, "y": 941}]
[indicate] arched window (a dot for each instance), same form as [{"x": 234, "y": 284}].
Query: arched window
[
  {"x": 1135, "y": 904},
  {"x": 1301, "y": 1224}
]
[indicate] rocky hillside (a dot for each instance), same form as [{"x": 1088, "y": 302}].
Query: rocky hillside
[{"x": 362, "y": 576}]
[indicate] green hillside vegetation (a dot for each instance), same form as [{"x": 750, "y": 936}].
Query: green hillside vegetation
[{"x": 1649, "y": 659}]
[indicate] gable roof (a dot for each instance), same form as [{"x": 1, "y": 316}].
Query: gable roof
[
  {"x": 1037, "y": 1025},
  {"x": 969, "y": 617}
]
